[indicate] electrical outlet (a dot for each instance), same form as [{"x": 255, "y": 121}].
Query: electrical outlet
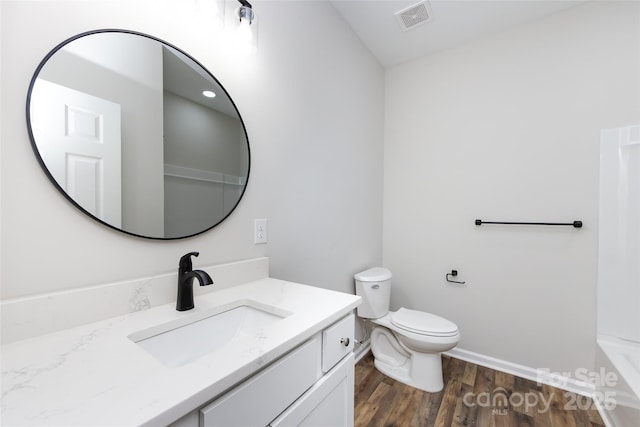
[{"x": 260, "y": 231}]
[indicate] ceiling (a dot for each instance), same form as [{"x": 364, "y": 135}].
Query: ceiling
[{"x": 453, "y": 22}]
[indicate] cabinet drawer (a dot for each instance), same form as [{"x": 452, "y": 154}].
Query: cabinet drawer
[
  {"x": 262, "y": 397},
  {"x": 328, "y": 403},
  {"x": 337, "y": 342}
]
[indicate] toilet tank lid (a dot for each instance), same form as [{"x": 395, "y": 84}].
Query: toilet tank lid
[{"x": 375, "y": 274}]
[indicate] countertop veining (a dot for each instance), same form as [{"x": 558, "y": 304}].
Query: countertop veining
[{"x": 95, "y": 375}]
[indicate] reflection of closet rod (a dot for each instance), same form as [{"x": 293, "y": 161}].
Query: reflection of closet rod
[
  {"x": 201, "y": 175},
  {"x": 575, "y": 224}
]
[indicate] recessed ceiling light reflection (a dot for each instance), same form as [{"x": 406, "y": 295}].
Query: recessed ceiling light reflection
[{"x": 209, "y": 94}]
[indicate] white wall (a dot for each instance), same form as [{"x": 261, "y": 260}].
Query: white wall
[
  {"x": 507, "y": 128},
  {"x": 311, "y": 99},
  {"x": 325, "y": 173}
]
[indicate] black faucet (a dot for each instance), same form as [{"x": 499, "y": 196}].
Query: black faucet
[{"x": 185, "y": 282}]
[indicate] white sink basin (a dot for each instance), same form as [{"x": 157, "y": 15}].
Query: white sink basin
[{"x": 186, "y": 339}]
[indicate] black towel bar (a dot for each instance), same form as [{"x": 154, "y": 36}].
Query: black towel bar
[{"x": 575, "y": 224}]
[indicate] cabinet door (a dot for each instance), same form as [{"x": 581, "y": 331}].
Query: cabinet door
[
  {"x": 328, "y": 403},
  {"x": 259, "y": 399}
]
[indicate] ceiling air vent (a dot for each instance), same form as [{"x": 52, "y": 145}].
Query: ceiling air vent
[{"x": 414, "y": 16}]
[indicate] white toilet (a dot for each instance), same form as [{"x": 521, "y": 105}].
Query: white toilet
[{"x": 406, "y": 344}]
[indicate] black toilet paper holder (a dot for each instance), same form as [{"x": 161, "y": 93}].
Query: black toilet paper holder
[{"x": 453, "y": 273}]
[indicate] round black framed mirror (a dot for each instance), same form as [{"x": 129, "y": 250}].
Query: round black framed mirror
[{"x": 137, "y": 134}]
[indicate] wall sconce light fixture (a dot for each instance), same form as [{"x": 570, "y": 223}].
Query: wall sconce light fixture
[
  {"x": 247, "y": 28},
  {"x": 245, "y": 12}
]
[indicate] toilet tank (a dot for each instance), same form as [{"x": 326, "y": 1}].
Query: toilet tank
[{"x": 374, "y": 286}]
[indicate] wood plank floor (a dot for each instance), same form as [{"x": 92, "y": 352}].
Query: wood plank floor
[{"x": 473, "y": 396}]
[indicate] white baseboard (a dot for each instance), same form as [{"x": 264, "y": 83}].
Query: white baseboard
[
  {"x": 604, "y": 414},
  {"x": 553, "y": 379}
]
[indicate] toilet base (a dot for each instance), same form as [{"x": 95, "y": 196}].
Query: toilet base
[{"x": 422, "y": 371}]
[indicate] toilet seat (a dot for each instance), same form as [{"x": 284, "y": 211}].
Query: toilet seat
[{"x": 423, "y": 323}]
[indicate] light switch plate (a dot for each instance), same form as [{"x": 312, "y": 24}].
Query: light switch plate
[{"x": 260, "y": 231}]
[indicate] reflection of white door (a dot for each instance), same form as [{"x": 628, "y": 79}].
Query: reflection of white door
[{"x": 78, "y": 137}]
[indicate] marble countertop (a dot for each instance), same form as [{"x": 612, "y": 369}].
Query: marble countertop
[{"x": 95, "y": 375}]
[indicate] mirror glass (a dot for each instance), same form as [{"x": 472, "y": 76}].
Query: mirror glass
[{"x": 121, "y": 124}]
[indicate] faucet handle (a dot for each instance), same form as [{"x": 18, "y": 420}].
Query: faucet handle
[{"x": 185, "y": 261}]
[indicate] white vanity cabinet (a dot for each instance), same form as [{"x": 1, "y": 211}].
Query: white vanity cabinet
[
  {"x": 329, "y": 402},
  {"x": 312, "y": 385}
]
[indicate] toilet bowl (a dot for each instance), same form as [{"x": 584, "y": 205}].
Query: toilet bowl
[
  {"x": 413, "y": 356},
  {"x": 406, "y": 344}
]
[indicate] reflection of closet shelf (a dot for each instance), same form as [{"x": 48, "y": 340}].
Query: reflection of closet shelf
[{"x": 202, "y": 175}]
